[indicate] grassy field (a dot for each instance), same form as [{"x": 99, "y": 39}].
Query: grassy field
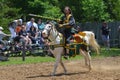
[{"x": 37, "y": 59}]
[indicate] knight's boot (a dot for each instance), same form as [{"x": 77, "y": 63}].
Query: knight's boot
[
  {"x": 66, "y": 56},
  {"x": 51, "y": 54}
]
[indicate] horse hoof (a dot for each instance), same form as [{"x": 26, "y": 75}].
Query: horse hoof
[
  {"x": 90, "y": 68},
  {"x": 52, "y": 74},
  {"x": 65, "y": 72}
]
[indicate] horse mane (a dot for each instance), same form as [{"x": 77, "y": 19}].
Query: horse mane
[
  {"x": 54, "y": 29},
  {"x": 55, "y": 26}
]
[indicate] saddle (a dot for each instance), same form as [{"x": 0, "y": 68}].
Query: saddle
[
  {"x": 79, "y": 37},
  {"x": 76, "y": 43}
]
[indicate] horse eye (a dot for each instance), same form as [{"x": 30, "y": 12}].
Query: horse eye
[{"x": 49, "y": 26}]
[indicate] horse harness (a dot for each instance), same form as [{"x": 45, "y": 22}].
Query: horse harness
[{"x": 73, "y": 47}]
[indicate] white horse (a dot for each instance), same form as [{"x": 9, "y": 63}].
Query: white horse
[{"x": 51, "y": 32}]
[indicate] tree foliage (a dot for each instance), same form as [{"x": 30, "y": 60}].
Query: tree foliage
[
  {"x": 113, "y": 9},
  {"x": 7, "y": 14},
  {"x": 83, "y": 10},
  {"x": 94, "y": 10}
]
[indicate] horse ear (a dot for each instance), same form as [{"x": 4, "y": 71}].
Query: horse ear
[
  {"x": 55, "y": 23},
  {"x": 51, "y": 23}
]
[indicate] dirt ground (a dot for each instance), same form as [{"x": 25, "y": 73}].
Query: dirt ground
[{"x": 103, "y": 69}]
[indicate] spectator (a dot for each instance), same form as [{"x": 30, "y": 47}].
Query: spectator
[
  {"x": 40, "y": 25},
  {"x": 24, "y": 35},
  {"x": 40, "y": 40},
  {"x": 20, "y": 21},
  {"x": 12, "y": 26},
  {"x": 105, "y": 35},
  {"x": 2, "y": 34},
  {"x": 18, "y": 27},
  {"x": 31, "y": 23},
  {"x": 33, "y": 34}
]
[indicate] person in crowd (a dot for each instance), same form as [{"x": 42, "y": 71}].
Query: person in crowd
[
  {"x": 33, "y": 34},
  {"x": 105, "y": 35},
  {"x": 40, "y": 25},
  {"x": 31, "y": 23},
  {"x": 12, "y": 26},
  {"x": 20, "y": 21},
  {"x": 22, "y": 35},
  {"x": 2, "y": 35},
  {"x": 67, "y": 22},
  {"x": 18, "y": 27}
]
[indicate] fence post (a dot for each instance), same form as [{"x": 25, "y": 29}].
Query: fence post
[
  {"x": 119, "y": 36},
  {"x": 23, "y": 49}
]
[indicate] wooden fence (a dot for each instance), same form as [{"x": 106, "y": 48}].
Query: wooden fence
[{"x": 96, "y": 27}]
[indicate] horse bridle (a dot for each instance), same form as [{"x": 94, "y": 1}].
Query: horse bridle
[
  {"x": 51, "y": 29},
  {"x": 48, "y": 31}
]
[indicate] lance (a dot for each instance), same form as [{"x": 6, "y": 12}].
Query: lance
[{"x": 48, "y": 18}]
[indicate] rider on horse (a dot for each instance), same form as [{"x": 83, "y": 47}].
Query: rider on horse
[
  {"x": 67, "y": 25},
  {"x": 67, "y": 22}
]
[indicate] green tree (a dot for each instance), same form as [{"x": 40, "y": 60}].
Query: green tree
[
  {"x": 45, "y": 8},
  {"x": 40, "y": 7},
  {"x": 86, "y": 10},
  {"x": 83, "y": 10},
  {"x": 94, "y": 10},
  {"x": 7, "y": 14},
  {"x": 113, "y": 9},
  {"x": 116, "y": 11}
]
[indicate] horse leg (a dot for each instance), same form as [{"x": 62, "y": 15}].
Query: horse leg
[
  {"x": 62, "y": 64},
  {"x": 88, "y": 59},
  {"x": 58, "y": 57},
  {"x": 85, "y": 57}
]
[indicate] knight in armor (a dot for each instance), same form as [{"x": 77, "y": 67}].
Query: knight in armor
[{"x": 66, "y": 24}]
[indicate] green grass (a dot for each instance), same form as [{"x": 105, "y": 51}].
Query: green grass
[
  {"x": 28, "y": 60},
  {"x": 37, "y": 59},
  {"x": 31, "y": 59},
  {"x": 108, "y": 53}
]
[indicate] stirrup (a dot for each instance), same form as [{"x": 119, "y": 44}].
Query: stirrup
[
  {"x": 66, "y": 56},
  {"x": 51, "y": 55}
]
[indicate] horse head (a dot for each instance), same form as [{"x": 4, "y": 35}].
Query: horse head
[
  {"x": 47, "y": 29},
  {"x": 51, "y": 32}
]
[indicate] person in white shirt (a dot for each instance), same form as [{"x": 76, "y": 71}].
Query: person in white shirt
[
  {"x": 12, "y": 26},
  {"x": 2, "y": 34},
  {"x": 31, "y": 23}
]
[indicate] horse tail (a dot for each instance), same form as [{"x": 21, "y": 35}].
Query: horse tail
[{"x": 94, "y": 43}]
